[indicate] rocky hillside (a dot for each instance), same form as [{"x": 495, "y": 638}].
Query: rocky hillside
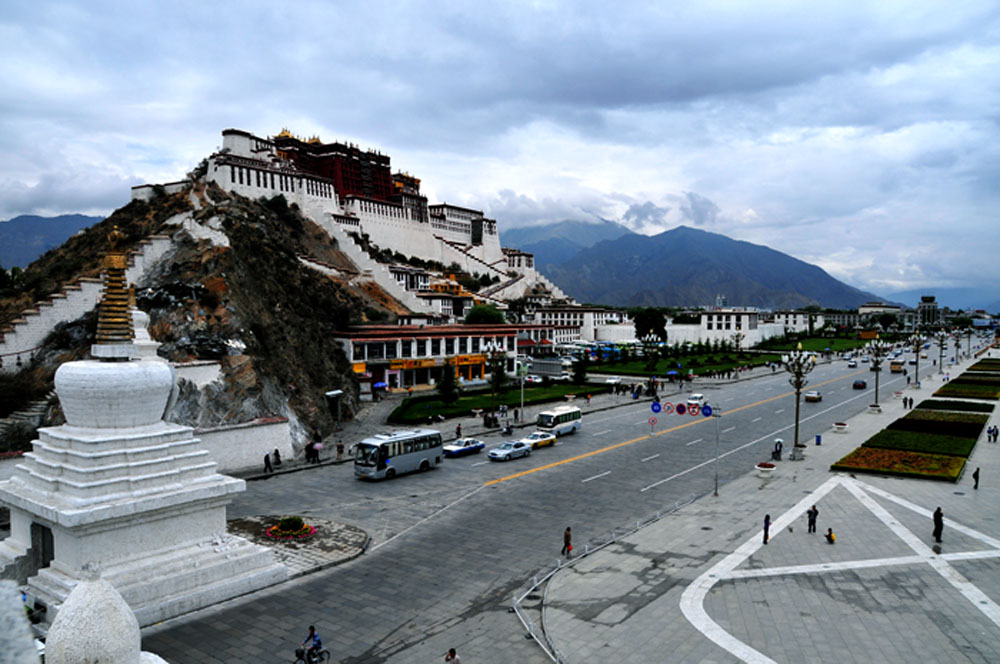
[{"x": 234, "y": 290}]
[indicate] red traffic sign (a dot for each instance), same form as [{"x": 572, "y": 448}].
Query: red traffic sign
[
  {"x": 652, "y": 421},
  {"x": 694, "y": 410},
  {"x": 668, "y": 407}
]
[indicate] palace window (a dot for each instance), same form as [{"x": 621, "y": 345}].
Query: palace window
[
  {"x": 422, "y": 348},
  {"x": 407, "y": 349},
  {"x": 435, "y": 346},
  {"x": 463, "y": 345},
  {"x": 376, "y": 351},
  {"x": 390, "y": 349},
  {"x": 449, "y": 346}
]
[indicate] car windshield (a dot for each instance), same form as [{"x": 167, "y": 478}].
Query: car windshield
[
  {"x": 505, "y": 446},
  {"x": 365, "y": 454}
]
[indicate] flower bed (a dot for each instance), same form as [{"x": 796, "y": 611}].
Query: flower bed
[
  {"x": 942, "y": 404},
  {"x": 291, "y": 528},
  {"x": 902, "y": 463},
  {"x": 986, "y": 364}
]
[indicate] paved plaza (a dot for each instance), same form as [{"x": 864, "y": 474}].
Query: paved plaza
[{"x": 699, "y": 585}]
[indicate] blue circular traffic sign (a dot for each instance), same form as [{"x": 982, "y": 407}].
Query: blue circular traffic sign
[
  {"x": 679, "y": 409},
  {"x": 706, "y": 410},
  {"x": 655, "y": 407}
]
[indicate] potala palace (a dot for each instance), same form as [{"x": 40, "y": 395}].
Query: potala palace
[{"x": 350, "y": 191}]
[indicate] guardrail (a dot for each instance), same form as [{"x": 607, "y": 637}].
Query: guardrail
[{"x": 537, "y": 632}]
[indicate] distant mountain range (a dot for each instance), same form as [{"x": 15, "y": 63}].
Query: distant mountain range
[
  {"x": 25, "y": 238},
  {"x": 680, "y": 267},
  {"x": 553, "y": 244},
  {"x": 955, "y": 298}
]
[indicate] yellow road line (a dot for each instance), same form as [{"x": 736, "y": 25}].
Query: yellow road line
[{"x": 658, "y": 433}]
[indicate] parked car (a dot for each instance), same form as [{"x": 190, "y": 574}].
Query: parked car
[
  {"x": 813, "y": 395},
  {"x": 853, "y": 364},
  {"x": 859, "y": 385},
  {"x": 613, "y": 380},
  {"x": 539, "y": 439},
  {"x": 564, "y": 377},
  {"x": 463, "y": 446},
  {"x": 510, "y": 450},
  {"x": 532, "y": 378}
]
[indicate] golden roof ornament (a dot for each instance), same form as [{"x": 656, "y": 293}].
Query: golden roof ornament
[{"x": 114, "y": 315}]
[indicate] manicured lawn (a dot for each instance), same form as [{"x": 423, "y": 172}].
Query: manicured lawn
[
  {"x": 922, "y": 442},
  {"x": 697, "y": 364},
  {"x": 417, "y": 410},
  {"x": 820, "y": 344},
  {"x": 963, "y": 425},
  {"x": 969, "y": 406},
  {"x": 900, "y": 462},
  {"x": 968, "y": 391}
]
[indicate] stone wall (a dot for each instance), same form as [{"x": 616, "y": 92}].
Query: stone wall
[{"x": 243, "y": 446}]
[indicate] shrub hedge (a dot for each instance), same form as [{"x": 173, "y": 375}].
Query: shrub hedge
[
  {"x": 941, "y": 404},
  {"x": 986, "y": 364},
  {"x": 968, "y": 391},
  {"x": 962, "y": 425},
  {"x": 928, "y": 443}
]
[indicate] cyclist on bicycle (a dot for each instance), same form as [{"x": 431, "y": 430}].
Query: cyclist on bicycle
[{"x": 313, "y": 643}]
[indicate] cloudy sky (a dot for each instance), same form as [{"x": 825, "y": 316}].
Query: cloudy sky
[{"x": 859, "y": 136}]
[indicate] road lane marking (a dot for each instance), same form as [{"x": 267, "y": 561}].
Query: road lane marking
[
  {"x": 693, "y": 442},
  {"x": 480, "y": 463},
  {"x": 606, "y": 472},
  {"x": 650, "y": 457},
  {"x": 780, "y": 410},
  {"x": 756, "y": 419},
  {"x": 728, "y": 430},
  {"x": 691, "y": 423},
  {"x": 430, "y": 516},
  {"x": 601, "y": 433}
]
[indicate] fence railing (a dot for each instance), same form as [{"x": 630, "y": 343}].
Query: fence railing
[{"x": 537, "y": 632}]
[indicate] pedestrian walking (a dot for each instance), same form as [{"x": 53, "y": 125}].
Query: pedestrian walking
[
  {"x": 907, "y": 380},
  {"x": 340, "y": 450},
  {"x": 830, "y": 537},
  {"x": 452, "y": 657},
  {"x": 458, "y": 430},
  {"x": 811, "y": 514},
  {"x": 938, "y": 524},
  {"x": 567, "y": 549},
  {"x": 267, "y": 463},
  {"x": 975, "y": 479},
  {"x": 277, "y": 457},
  {"x": 767, "y": 527},
  {"x": 516, "y": 411}
]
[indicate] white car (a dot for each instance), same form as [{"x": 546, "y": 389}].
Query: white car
[
  {"x": 510, "y": 450},
  {"x": 613, "y": 380},
  {"x": 539, "y": 439},
  {"x": 853, "y": 364},
  {"x": 532, "y": 378},
  {"x": 564, "y": 377},
  {"x": 697, "y": 400}
]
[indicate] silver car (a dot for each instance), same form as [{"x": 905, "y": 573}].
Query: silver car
[{"x": 510, "y": 450}]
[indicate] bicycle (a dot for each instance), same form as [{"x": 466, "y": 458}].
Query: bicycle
[{"x": 303, "y": 656}]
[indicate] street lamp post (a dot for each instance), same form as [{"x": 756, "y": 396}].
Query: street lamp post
[
  {"x": 716, "y": 414},
  {"x": 798, "y": 364},
  {"x": 917, "y": 344},
  {"x": 878, "y": 350},
  {"x": 496, "y": 354},
  {"x": 942, "y": 340}
]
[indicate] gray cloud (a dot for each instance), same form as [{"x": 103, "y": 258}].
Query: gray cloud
[{"x": 849, "y": 135}]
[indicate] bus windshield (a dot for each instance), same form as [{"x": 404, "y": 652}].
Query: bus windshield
[
  {"x": 546, "y": 419},
  {"x": 365, "y": 454}
]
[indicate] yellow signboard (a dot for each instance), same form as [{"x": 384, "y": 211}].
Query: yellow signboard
[
  {"x": 413, "y": 364},
  {"x": 470, "y": 359},
  {"x": 358, "y": 367}
]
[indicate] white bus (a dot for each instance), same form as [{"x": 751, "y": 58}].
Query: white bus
[
  {"x": 389, "y": 454},
  {"x": 560, "y": 420}
]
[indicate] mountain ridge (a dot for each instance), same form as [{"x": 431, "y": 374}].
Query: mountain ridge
[
  {"x": 26, "y": 237},
  {"x": 688, "y": 267}
]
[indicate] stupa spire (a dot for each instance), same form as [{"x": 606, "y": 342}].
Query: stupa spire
[{"x": 114, "y": 316}]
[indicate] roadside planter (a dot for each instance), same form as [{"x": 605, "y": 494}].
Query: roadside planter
[
  {"x": 798, "y": 452},
  {"x": 898, "y": 394},
  {"x": 874, "y": 409},
  {"x": 570, "y": 397},
  {"x": 840, "y": 427},
  {"x": 764, "y": 469}
]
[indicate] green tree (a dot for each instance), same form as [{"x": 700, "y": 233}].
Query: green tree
[
  {"x": 447, "y": 386},
  {"x": 649, "y": 320},
  {"x": 484, "y": 314},
  {"x": 886, "y": 320},
  {"x": 498, "y": 374}
]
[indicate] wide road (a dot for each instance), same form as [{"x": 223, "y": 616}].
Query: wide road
[{"x": 452, "y": 545}]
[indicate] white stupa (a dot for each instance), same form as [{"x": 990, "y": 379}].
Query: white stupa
[{"x": 119, "y": 486}]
